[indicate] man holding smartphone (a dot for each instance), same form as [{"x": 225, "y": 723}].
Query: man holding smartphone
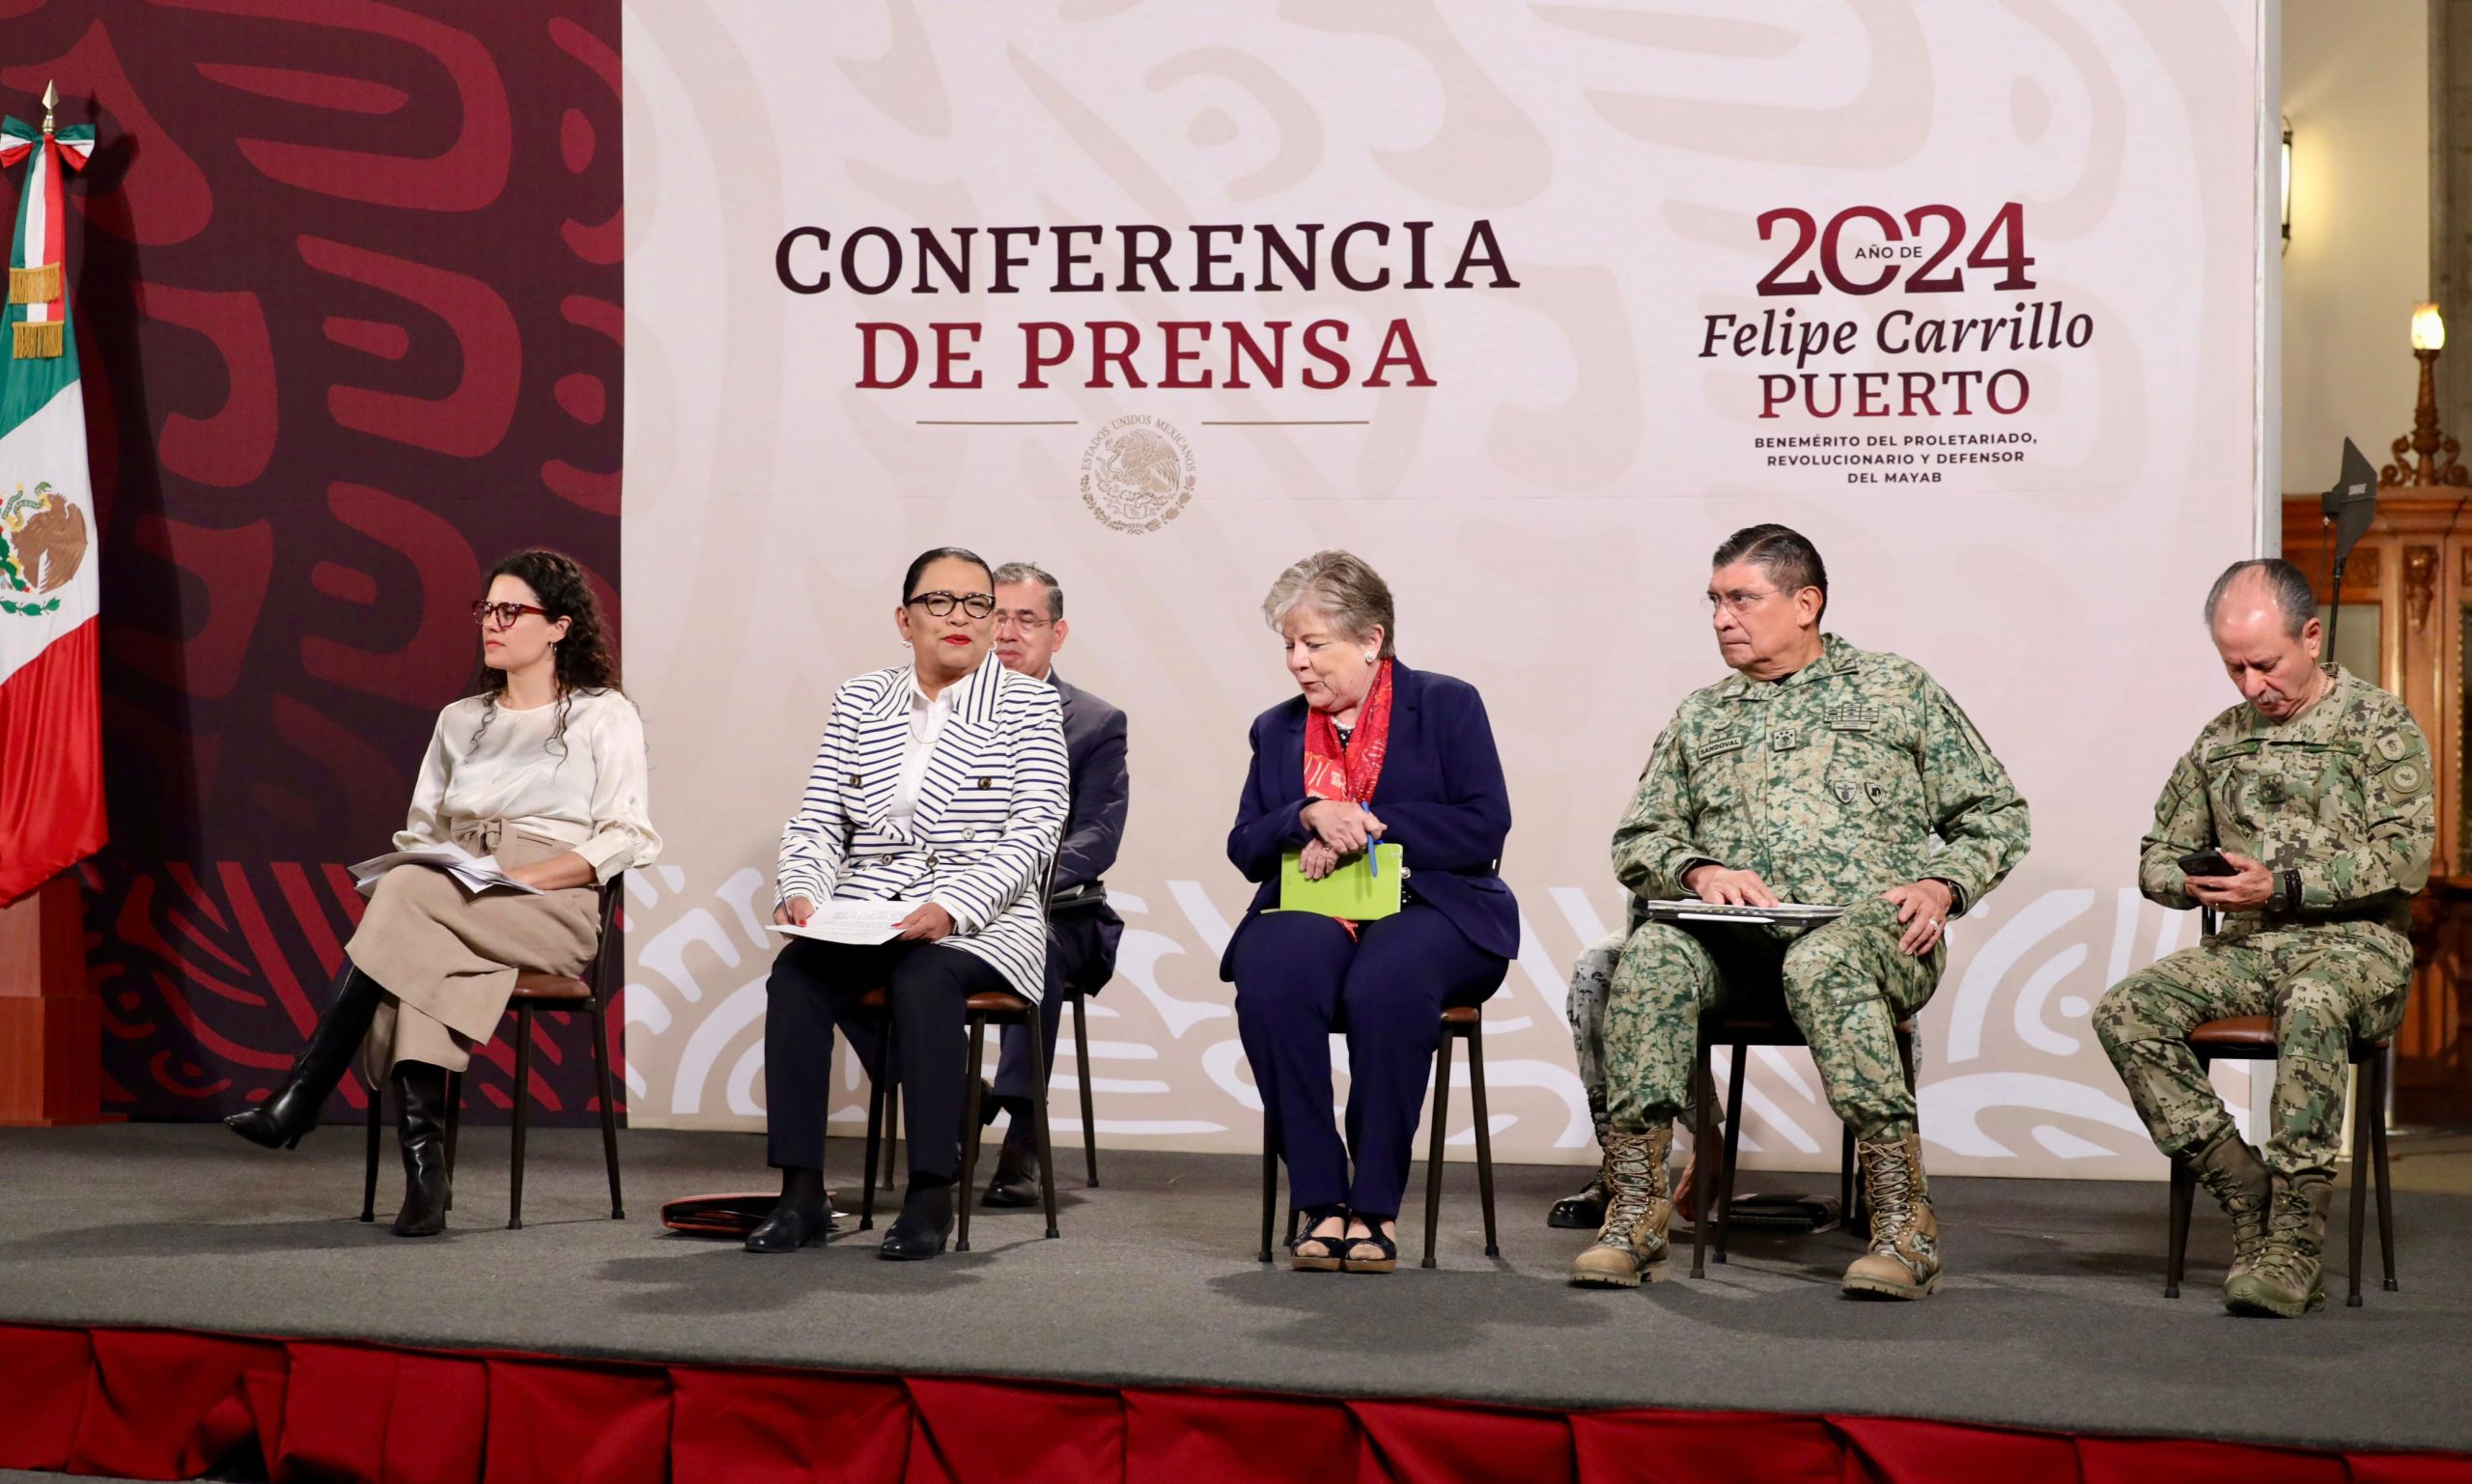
[{"x": 2304, "y": 817}]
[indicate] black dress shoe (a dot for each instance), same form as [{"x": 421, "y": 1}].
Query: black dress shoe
[
  {"x": 1014, "y": 1186},
  {"x": 926, "y": 1220},
  {"x": 788, "y": 1228},
  {"x": 1583, "y": 1212},
  {"x": 422, "y": 1089},
  {"x": 290, "y": 1110}
]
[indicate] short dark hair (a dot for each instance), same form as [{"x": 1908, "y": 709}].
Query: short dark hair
[
  {"x": 1031, "y": 571},
  {"x": 928, "y": 558},
  {"x": 1785, "y": 554},
  {"x": 2287, "y": 585}
]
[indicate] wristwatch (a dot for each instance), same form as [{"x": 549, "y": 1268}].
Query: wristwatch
[{"x": 1956, "y": 895}]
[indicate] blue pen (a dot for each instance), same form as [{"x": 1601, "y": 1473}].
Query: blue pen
[{"x": 1372, "y": 847}]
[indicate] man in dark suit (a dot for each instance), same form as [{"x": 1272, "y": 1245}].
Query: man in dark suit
[{"x": 1082, "y": 928}]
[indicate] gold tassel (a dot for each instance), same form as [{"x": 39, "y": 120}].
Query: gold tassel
[
  {"x": 34, "y": 285},
  {"x": 37, "y": 342}
]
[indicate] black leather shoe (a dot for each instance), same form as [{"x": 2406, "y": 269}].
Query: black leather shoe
[
  {"x": 422, "y": 1089},
  {"x": 788, "y": 1228},
  {"x": 290, "y": 1110},
  {"x": 1583, "y": 1211},
  {"x": 926, "y": 1220},
  {"x": 1014, "y": 1186}
]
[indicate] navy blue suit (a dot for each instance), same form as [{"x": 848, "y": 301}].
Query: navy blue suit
[
  {"x": 1081, "y": 929},
  {"x": 1296, "y": 975}
]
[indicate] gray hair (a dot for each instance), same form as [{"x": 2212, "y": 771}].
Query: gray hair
[
  {"x": 1031, "y": 571},
  {"x": 1340, "y": 587},
  {"x": 2287, "y": 585}
]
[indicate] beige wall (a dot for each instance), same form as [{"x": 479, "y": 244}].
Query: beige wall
[
  {"x": 2355, "y": 87},
  {"x": 1544, "y": 508}
]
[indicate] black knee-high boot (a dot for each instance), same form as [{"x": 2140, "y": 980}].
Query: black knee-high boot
[
  {"x": 290, "y": 1110},
  {"x": 421, "y": 1089}
]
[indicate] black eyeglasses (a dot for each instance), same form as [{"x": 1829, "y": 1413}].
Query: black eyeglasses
[
  {"x": 941, "y": 603},
  {"x": 506, "y": 613}
]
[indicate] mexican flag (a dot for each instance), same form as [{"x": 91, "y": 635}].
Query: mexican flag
[{"x": 51, "y": 735}]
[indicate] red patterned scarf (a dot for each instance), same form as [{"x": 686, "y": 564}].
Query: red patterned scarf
[{"x": 1349, "y": 773}]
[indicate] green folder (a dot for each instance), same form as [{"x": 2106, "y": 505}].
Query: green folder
[{"x": 1354, "y": 890}]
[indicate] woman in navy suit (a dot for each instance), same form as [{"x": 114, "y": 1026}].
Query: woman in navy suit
[
  {"x": 1370, "y": 750},
  {"x": 941, "y": 782}
]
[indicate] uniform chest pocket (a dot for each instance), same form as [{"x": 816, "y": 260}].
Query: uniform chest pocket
[
  {"x": 1870, "y": 765},
  {"x": 2257, "y": 781},
  {"x": 1716, "y": 764}
]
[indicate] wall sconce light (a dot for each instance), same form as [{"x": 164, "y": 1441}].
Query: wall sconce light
[
  {"x": 2426, "y": 456},
  {"x": 2287, "y": 184}
]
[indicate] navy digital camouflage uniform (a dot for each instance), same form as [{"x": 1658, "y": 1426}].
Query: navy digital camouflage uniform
[
  {"x": 1832, "y": 783},
  {"x": 2339, "y": 801}
]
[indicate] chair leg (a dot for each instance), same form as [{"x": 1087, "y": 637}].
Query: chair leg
[
  {"x": 608, "y": 1109},
  {"x": 1733, "y": 1140},
  {"x": 369, "y": 1178},
  {"x": 1484, "y": 1133},
  {"x": 1704, "y": 1094},
  {"x": 1849, "y": 1192},
  {"x": 1082, "y": 1075},
  {"x": 1270, "y": 1182},
  {"x": 1038, "y": 1118},
  {"x": 875, "y": 1143},
  {"x": 1433, "y": 1149},
  {"x": 2385, "y": 1176},
  {"x": 892, "y": 1103},
  {"x": 970, "y": 1128},
  {"x": 2176, "y": 1256},
  {"x": 454, "y": 1128},
  {"x": 2363, "y": 1115},
  {"x": 522, "y": 1108}
]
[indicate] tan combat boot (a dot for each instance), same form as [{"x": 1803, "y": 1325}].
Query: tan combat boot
[
  {"x": 1632, "y": 1248},
  {"x": 2232, "y": 1173},
  {"x": 2289, "y": 1277},
  {"x": 1904, "y": 1259}
]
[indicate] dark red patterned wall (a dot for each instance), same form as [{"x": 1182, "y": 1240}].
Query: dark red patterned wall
[{"x": 348, "y": 288}]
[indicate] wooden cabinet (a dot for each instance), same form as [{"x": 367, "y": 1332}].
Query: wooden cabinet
[{"x": 2410, "y": 579}]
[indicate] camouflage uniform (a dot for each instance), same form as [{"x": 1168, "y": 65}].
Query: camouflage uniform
[
  {"x": 2340, "y": 799},
  {"x": 1829, "y": 783},
  {"x": 1592, "y": 977}
]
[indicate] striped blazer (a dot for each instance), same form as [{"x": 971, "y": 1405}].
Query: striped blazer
[{"x": 990, "y": 812}]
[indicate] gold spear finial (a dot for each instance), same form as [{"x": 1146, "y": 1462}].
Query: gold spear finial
[{"x": 51, "y": 101}]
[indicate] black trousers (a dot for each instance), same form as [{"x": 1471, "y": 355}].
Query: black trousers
[
  {"x": 814, "y": 988},
  {"x": 1081, "y": 949}
]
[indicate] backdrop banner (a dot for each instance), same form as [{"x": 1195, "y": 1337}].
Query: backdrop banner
[{"x": 1529, "y": 308}]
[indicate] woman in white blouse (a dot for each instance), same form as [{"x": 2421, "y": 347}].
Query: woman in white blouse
[{"x": 542, "y": 766}]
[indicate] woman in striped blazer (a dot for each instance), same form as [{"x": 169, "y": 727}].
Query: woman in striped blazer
[{"x": 941, "y": 782}]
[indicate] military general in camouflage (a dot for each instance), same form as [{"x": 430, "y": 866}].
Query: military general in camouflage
[
  {"x": 2317, "y": 792},
  {"x": 1819, "y": 773}
]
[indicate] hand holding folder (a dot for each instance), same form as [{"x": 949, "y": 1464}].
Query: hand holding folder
[{"x": 1362, "y": 889}]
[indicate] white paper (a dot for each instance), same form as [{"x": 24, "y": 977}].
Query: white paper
[
  {"x": 1693, "y": 910},
  {"x": 479, "y": 872},
  {"x": 858, "y": 923}
]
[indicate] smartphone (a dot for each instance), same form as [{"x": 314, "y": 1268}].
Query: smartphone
[{"x": 2207, "y": 862}]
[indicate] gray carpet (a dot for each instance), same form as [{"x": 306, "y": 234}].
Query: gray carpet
[{"x": 2053, "y": 1314}]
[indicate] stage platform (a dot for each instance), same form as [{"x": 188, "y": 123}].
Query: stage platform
[{"x": 2053, "y": 1316}]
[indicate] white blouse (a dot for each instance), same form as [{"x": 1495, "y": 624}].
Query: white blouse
[{"x": 587, "y": 790}]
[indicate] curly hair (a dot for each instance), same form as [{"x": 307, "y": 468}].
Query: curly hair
[{"x": 582, "y": 657}]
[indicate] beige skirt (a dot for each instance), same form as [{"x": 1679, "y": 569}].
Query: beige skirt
[{"x": 447, "y": 957}]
